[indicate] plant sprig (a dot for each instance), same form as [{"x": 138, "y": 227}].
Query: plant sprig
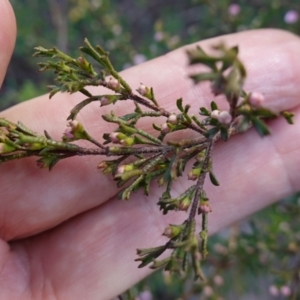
[{"x": 139, "y": 157}]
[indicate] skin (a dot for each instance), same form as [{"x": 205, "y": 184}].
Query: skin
[{"x": 64, "y": 235}]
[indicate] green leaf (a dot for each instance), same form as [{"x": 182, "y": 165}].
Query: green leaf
[
  {"x": 264, "y": 112},
  {"x": 211, "y": 132},
  {"x": 213, "y": 179},
  {"x": 224, "y": 133},
  {"x": 213, "y": 105},
  {"x": 179, "y": 104},
  {"x": 198, "y": 55},
  {"x": 74, "y": 112},
  {"x": 288, "y": 116},
  {"x": 160, "y": 263},
  {"x": 204, "y": 77},
  {"x": 260, "y": 126},
  {"x": 204, "y": 111},
  {"x": 48, "y": 161},
  {"x": 156, "y": 127}
]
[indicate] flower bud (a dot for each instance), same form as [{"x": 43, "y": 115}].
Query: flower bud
[
  {"x": 102, "y": 165},
  {"x": 124, "y": 168},
  {"x": 112, "y": 83},
  {"x": 256, "y": 99},
  {"x": 285, "y": 291},
  {"x": 82, "y": 62},
  {"x": 128, "y": 141},
  {"x": 117, "y": 137},
  {"x": 224, "y": 117},
  {"x": 104, "y": 101},
  {"x": 145, "y": 295},
  {"x": 234, "y": 9},
  {"x": 6, "y": 148},
  {"x": 291, "y": 17},
  {"x": 215, "y": 114},
  {"x": 208, "y": 291},
  {"x": 172, "y": 231},
  {"x": 194, "y": 174},
  {"x": 165, "y": 128},
  {"x": 68, "y": 134},
  {"x": 74, "y": 131},
  {"x": 218, "y": 280},
  {"x": 184, "y": 204},
  {"x": 172, "y": 119},
  {"x": 142, "y": 90},
  {"x": 204, "y": 207},
  {"x": 273, "y": 290}
]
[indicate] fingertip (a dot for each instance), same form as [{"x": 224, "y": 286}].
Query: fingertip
[{"x": 7, "y": 36}]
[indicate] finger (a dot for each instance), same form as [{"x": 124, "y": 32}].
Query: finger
[
  {"x": 7, "y": 36},
  {"x": 52, "y": 198}
]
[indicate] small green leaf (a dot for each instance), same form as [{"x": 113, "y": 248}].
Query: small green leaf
[
  {"x": 160, "y": 263},
  {"x": 186, "y": 109},
  {"x": 213, "y": 105},
  {"x": 179, "y": 104},
  {"x": 264, "y": 112},
  {"x": 288, "y": 116},
  {"x": 48, "y": 161},
  {"x": 156, "y": 127},
  {"x": 204, "y": 111},
  {"x": 260, "y": 126},
  {"x": 211, "y": 132},
  {"x": 213, "y": 179},
  {"x": 204, "y": 77},
  {"x": 224, "y": 133},
  {"x": 74, "y": 112}
]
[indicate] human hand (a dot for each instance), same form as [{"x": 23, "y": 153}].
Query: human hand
[{"x": 64, "y": 235}]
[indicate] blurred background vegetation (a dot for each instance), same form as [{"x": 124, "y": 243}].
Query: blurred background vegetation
[{"x": 256, "y": 259}]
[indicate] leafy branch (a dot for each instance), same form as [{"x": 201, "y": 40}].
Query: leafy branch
[{"x": 139, "y": 157}]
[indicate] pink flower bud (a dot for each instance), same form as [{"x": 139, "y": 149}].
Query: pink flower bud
[
  {"x": 172, "y": 231},
  {"x": 172, "y": 119},
  {"x": 215, "y": 114},
  {"x": 291, "y": 17},
  {"x": 168, "y": 232},
  {"x": 145, "y": 295},
  {"x": 224, "y": 117},
  {"x": 73, "y": 124},
  {"x": 142, "y": 90},
  {"x": 112, "y": 83},
  {"x": 256, "y": 99},
  {"x": 68, "y": 134},
  {"x": 165, "y": 128},
  {"x": 234, "y": 9},
  {"x": 285, "y": 291},
  {"x": 159, "y": 36},
  {"x": 114, "y": 137},
  {"x": 273, "y": 290},
  {"x": 218, "y": 280},
  {"x": 104, "y": 101},
  {"x": 102, "y": 165},
  {"x": 208, "y": 291},
  {"x": 205, "y": 208},
  {"x": 120, "y": 170},
  {"x": 184, "y": 204}
]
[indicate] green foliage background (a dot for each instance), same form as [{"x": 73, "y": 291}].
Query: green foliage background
[{"x": 250, "y": 256}]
